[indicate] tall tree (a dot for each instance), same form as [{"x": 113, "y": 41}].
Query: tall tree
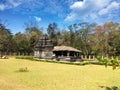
[
  {"x": 53, "y": 32},
  {"x": 34, "y": 33},
  {"x": 21, "y": 42},
  {"x": 80, "y": 35},
  {"x": 73, "y": 29},
  {"x": 107, "y": 38},
  {"x": 64, "y": 38},
  {"x": 5, "y": 37}
]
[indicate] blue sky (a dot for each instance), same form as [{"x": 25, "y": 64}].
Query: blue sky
[{"x": 63, "y": 12}]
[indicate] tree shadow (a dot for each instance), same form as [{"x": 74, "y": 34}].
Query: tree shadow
[{"x": 110, "y": 88}]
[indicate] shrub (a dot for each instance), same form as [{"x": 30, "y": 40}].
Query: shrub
[
  {"x": 23, "y": 69},
  {"x": 114, "y": 62}
]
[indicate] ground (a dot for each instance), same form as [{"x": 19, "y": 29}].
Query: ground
[{"x": 54, "y": 76}]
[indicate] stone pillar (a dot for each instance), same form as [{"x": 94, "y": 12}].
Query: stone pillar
[
  {"x": 93, "y": 57},
  {"x": 5, "y": 53},
  {"x": 102, "y": 57},
  {"x": 73, "y": 53},
  {"x": 23, "y": 53},
  {"x": 85, "y": 57},
  {"x": 62, "y": 53},
  {"x": 68, "y": 54},
  {"x": 18, "y": 53},
  {"x": 89, "y": 57},
  {"x": 81, "y": 56},
  {"x": 112, "y": 57},
  {"x": 0, "y": 53}
]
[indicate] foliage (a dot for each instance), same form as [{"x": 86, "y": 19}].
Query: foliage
[
  {"x": 33, "y": 33},
  {"x": 114, "y": 62},
  {"x": 110, "y": 88},
  {"x": 53, "y": 33},
  {"x": 105, "y": 61},
  {"x": 107, "y": 39},
  {"x": 21, "y": 42},
  {"x": 5, "y": 38},
  {"x": 90, "y": 38}
]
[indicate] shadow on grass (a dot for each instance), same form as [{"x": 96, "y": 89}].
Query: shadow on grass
[
  {"x": 18, "y": 71},
  {"x": 110, "y": 88}
]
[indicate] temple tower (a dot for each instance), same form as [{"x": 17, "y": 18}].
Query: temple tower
[{"x": 43, "y": 49}]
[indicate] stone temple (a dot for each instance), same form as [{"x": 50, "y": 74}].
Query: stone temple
[{"x": 43, "y": 49}]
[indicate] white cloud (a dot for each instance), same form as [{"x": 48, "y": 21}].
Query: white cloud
[
  {"x": 38, "y": 19},
  {"x": 2, "y": 7},
  {"x": 83, "y": 9},
  {"x": 14, "y": 3},
  {"x": 77, "y": 5},
  {"x": 112, "y": 6},
  {"x": 11, "y": 4},
  {"x": 71, "y": 17}
]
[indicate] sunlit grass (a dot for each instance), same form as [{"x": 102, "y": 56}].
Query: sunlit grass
[{"x": 54, "y": 76}]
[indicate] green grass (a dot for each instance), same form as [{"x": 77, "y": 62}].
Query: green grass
[{"x": 55, "y": 76}]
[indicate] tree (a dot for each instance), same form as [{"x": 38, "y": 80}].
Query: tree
[
  {"x": 73, "y": 29},
  {"x": 5, "y": 38},
  {"x": 107, "y": 38},
  {"x": 114, "y": 38},
  {"x": 64, "y": 38},
  {"x": 33, "y": 33},
  {"x": 53, "y": 33},
  {"x": 21, "y": 42},
  {"x": 80, "y": 35}
]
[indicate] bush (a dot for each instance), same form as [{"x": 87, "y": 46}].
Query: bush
[
  {"x": 23, "y": 69},
  {"x": 114, "y": 62}
]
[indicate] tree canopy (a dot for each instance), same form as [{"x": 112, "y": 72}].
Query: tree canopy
[{"x": 90, "y": 38}]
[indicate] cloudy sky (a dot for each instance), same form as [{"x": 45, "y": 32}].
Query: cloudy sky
[{"x": 63, "y": 12}]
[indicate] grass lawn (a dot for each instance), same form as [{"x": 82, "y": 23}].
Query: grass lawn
[{"x": 54, "y": 76}]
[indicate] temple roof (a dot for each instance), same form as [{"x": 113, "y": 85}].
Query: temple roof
[
  {"x": 65, "y": 48},
  {"x": 44, "y": 42},
  {"x": 44, "y": 37}
]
